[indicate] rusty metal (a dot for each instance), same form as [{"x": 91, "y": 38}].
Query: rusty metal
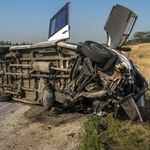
[
  {"x": 16, "y": 74},
  {"x": 10, "y": 92},
  {"x": 24, "y": 101},
  {"x": 33, "y": 46},
  {"x": 60, "y": 69},
  {"x": 93, "y": 94},
  {"x": 70, "y": 46},
  {"x": 44, "y": 45},
  {"x": 27, "y": 89},
  {"x": 50, "y": 58},
  {"x": 42, "y": 66},
  {"x": 37, "y": 75},
  {"x": 20, "y": 65},
  {"x": 49, "y": 76},
  {"x": 6, "y": 86}
]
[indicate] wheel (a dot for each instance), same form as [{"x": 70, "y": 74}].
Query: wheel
[
  {"x": 4, "y": 50},
  {"x": 47, "y": 99},
  {"x": 96, "y": 52},
  {"x": 5, "y": 98}
]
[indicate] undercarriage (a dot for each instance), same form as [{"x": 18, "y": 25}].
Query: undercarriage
[{"x": 67, "y": 74}]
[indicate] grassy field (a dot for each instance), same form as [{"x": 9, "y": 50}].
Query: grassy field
[
  {"x": 110, "y": 133},
  {"x": 140, "y": 55}
]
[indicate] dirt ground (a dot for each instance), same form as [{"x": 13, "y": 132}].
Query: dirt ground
[
  {"x": 29, "y": 127},
  {"x": 26, "y": 127}
]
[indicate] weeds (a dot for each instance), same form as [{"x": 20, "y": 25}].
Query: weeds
[
  {"x": 110, "y": 133},
  {"x": 92, "y": 130}
]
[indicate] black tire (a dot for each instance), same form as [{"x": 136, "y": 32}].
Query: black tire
[
  {"x": 5, "y": 98},
  {"x": 96, "y": 52},
  {"x": 47, "y": 99},
  {"x": 4, "y": 50}
]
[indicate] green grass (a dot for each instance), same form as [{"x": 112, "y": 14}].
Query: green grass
[
  {"x": 111, "y": 133},
  {"x": 92, "y": 136}
]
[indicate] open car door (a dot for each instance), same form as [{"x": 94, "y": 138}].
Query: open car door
[
  {"x": 59, "y": 25},
  {"x": 119, "y": 26}
]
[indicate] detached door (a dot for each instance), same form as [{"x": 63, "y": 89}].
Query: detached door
[
  {"x": 119, "y": 25},
  {"x": 59, "y": 25}
]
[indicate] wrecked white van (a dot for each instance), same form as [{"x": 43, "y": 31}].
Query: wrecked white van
[{"x": 75, "y": 75}]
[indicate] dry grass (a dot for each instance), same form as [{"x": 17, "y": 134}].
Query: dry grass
[{"x": 140, "y": 55}]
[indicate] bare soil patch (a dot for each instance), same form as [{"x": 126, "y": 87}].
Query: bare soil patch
[{"x": 30, "y": 127}]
